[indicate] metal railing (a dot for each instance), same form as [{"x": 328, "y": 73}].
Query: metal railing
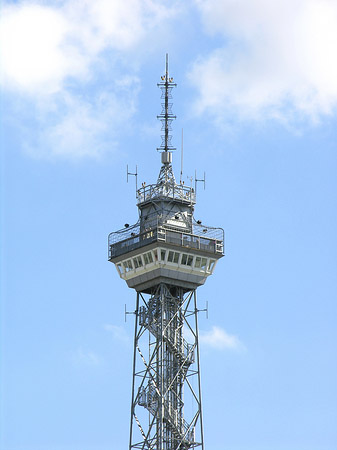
[
  {"x": 177, "y": 192},
  {"x": 201, "y": 238}
]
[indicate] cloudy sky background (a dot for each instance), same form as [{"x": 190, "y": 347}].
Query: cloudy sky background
[{"x": 257, "y": 98}]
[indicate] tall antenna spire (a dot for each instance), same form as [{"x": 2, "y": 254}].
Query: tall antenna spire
[{"x": 166, "y": 116}]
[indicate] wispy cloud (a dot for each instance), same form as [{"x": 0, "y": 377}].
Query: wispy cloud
[
  {"x": 278, "y": 60},
  {"x": 85, "y": 357},
  {"x": 52, "y": 56},
  {"x": 118, "y": 333},
  {"x": 219, "y": 339},
  {"x": 74, "y": 127}
]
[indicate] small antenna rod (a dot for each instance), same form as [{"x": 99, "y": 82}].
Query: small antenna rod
[
  {"x": 182, "y": 154},
  {"x": 202, "y": 180},
  {"x": 134, "y": 174}
]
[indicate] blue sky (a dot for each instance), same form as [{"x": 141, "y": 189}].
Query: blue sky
[{"x": 257, "y": 100}]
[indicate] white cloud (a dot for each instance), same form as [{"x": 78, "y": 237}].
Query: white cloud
[
  {"x": 35, "y": 56},
  {"x": 52, "y": 55},
  {"x": 43, "y": 45},
  {"x": 118, "y": 333},
  {"x": 277, "y": 60},
  {"x": 220, "y": 339}
]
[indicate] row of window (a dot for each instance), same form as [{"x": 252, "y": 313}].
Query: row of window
[{"x": 166, "y": 256}]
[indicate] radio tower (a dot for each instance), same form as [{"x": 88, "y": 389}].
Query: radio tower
[{"x": 165, "y": 256}]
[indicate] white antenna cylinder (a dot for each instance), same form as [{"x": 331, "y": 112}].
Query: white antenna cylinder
[{"x": 166, "y": 157}]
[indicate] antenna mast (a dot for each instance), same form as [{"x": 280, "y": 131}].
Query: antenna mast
[
  {"x": 182, "y": 155},
  {"x": 166, "y": 116}
]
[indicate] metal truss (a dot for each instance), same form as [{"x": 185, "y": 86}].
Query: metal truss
[
  {"x": 166, "y": 411},
  {"x": 166, "y": 116},
  {"x": 166, "y": 182}
]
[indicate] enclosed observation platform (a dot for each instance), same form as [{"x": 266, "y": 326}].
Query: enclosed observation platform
[{"x": 171, "y": 251}]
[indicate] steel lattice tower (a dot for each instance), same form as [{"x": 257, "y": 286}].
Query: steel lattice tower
[{"x": 165, "y": 256}]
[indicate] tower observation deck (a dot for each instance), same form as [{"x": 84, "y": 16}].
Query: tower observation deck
[{"x": 165, "y": 256}]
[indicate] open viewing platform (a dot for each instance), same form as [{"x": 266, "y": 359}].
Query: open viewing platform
[
  {"x": 177, "y": 192},
  {"x": 204, "y": 238}
]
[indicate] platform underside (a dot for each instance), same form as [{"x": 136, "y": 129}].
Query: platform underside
[{"x": 146, "y": 281}]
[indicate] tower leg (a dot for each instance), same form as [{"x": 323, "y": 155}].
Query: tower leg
[
  {"x": 198, "y": 367},
  {"x": 133, "y": 371}
]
